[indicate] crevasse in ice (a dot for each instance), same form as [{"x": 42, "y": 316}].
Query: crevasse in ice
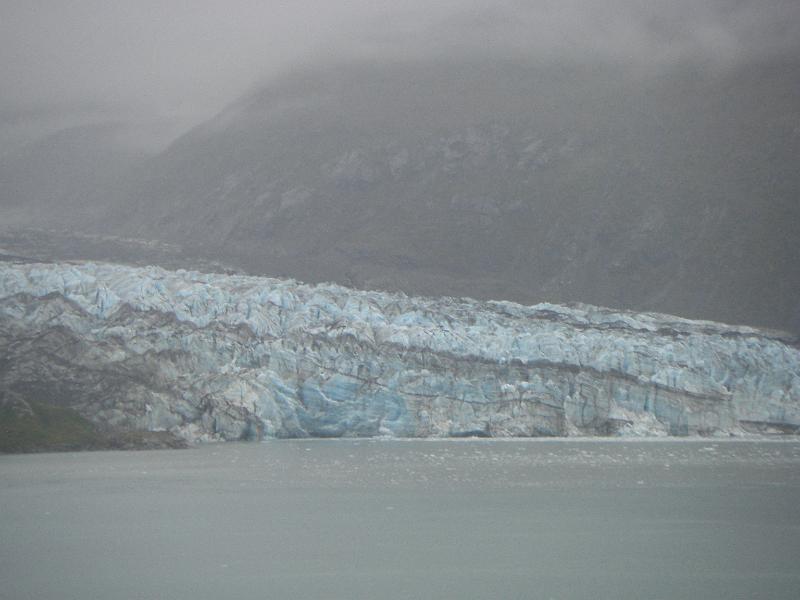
[{"x": 220, "y": 356}]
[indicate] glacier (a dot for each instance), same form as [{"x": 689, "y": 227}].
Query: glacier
[{"x": 222, "y": 357}]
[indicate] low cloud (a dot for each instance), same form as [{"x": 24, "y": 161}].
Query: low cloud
[{"x": 189, "y": 59}]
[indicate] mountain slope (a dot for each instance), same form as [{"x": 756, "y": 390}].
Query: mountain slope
[
  {"x": 67, "y": 178},
  {"x": 673, "y": 191}
]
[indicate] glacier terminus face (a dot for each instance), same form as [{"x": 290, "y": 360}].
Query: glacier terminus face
[{"x": 210, "y": 356}]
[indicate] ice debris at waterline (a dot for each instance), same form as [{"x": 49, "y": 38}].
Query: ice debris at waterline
[{"x": 228, "y": 357}]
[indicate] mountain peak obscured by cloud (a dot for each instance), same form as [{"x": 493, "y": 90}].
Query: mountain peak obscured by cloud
[{"x": 192, "y": 58}]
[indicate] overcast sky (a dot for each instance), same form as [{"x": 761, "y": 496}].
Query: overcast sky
[{"x": 191, "y": 57}]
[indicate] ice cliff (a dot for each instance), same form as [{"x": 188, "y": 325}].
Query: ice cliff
[{"x": 215, "y": 356}]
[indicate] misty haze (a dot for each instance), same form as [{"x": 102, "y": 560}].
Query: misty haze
[{"x": 401, "y": 225}]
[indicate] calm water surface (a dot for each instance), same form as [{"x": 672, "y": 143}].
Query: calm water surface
[{"x": 405, "y": 519}]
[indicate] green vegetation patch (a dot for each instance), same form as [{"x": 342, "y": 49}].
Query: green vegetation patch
[
  {"x": 45, "y": 427},
  {"x": 38, "y": 427}
]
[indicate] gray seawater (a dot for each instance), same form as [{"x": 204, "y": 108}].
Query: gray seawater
[{"x": 405, "y": 519}]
